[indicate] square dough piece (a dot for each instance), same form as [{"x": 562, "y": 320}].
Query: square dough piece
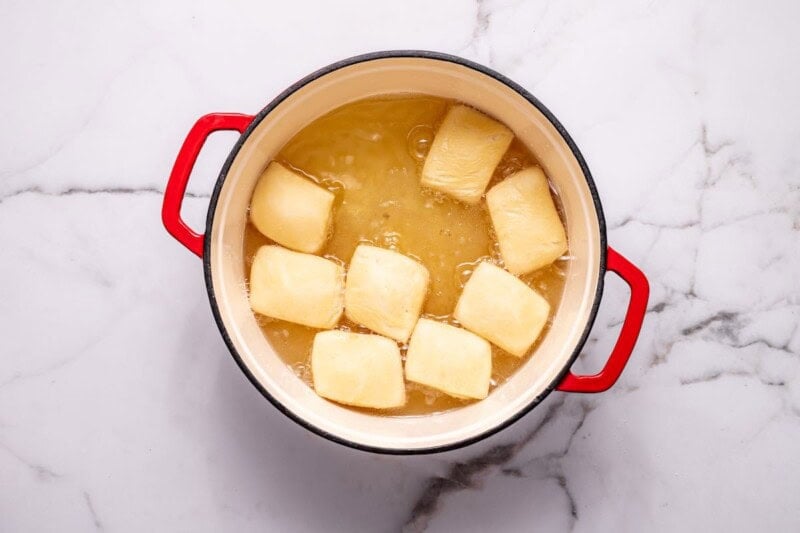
[
  {"x": 526, "y": 222},
  {"x": 358, "y": 369},
  {"x": 449, "y": 359},
  {"x": 291, "y": 210},
  {"x": 301, "y": 288},
  {"x": 385, "y": 291},
  {"x": 502, "y": 309},
  {"x": 464, "y": 154}
]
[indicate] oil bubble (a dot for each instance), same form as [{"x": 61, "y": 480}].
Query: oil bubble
[{"x": 419, "y": 141}]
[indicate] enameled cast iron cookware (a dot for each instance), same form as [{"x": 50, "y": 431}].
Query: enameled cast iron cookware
[{"x": 262, "y": 136}]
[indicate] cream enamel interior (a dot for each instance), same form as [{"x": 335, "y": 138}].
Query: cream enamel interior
[{"x": 391, "y": 76}]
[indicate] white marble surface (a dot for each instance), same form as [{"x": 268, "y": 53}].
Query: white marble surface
[{"x": 121, "y": 410}]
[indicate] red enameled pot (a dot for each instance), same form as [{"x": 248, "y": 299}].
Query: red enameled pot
[{"x": 263, "y": 135}]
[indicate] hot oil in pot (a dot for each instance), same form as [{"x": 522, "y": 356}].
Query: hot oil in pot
[{"x": 370, "y": 154}]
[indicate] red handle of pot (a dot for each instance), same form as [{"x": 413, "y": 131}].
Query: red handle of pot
[
  {"x": 182, "y": 169},
  {"x": 637, "y": 307}
]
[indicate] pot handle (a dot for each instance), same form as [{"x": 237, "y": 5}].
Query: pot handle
[
  {"x": 182, "y": 169},
  {"x": 640, "y": 291}
]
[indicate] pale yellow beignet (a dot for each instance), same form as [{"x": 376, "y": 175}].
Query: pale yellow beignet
[
  {"x": 385, "y": 291},
  {"x": 358, "y": 369},
  {"x": 503, "y": 310},
  {"x": 526, "y": 222},
  {"x": 291, "y": 210},
  {"x": 466, "y": 150},
  {"x": 449, "y": 359},
  {"x": 300, "y": 288}
]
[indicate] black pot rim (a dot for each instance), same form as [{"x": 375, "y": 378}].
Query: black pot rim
[{"x": 437, "y": 56}]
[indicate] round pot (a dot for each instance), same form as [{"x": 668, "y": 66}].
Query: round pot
[{"x": 262, "y": 136}]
